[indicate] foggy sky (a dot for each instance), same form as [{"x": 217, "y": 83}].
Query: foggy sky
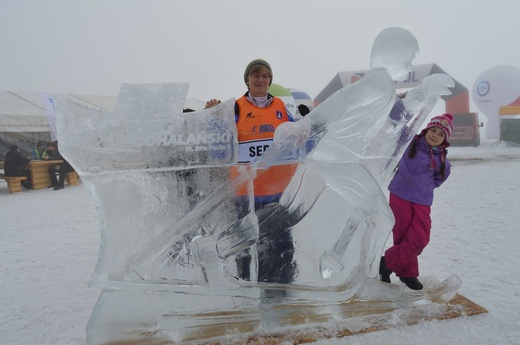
[{"x": 92, "y": 47}]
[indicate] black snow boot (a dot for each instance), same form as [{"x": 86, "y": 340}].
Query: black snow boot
[
  {"x": 384, "y": 272},
  {"x": 26, "y": 184},
  {"x": 412, "y": 283}
]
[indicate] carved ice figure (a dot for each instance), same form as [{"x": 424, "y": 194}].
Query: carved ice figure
[{"x": 171, "y": 234}]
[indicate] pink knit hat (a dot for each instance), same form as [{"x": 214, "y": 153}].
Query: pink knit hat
[{"x": 444, "y": 122}]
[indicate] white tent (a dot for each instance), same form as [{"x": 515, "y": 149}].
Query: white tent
[
  {"x": 22, "y": 112},
  {"x": 24, "y": 122}
]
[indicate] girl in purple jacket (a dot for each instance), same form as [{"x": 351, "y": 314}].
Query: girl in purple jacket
[{"x": 423, "y": 167}]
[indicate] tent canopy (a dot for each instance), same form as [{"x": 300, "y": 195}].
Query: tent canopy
[
  {"x": 511, "y": 109},
  {"x": 22, "y": 112},
  {"x": 25, "y": 111}
]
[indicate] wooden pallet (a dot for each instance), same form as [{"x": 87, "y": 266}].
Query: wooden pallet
[{"x": 458, "y": 306}]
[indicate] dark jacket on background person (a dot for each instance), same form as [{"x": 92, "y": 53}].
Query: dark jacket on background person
[
  {"x": 13, "y": 165},
  {"x": 14, "y": 162},
  {"x": 61, "y": 169},
  {"x": 53, "y": 155}
]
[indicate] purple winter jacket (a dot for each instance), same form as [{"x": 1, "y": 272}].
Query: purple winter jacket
[{"x": 414, "y": 180}]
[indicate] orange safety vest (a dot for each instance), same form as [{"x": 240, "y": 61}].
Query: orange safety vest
[{"x": 256, "y": 128}]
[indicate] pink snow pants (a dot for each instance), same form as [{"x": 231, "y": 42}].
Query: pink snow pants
[{"x": 411, "y": 234}]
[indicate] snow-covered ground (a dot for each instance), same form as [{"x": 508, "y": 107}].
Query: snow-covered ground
[{"x": 49, "y": 244}]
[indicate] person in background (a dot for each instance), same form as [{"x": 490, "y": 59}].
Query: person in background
[
  {"x": 40, "y": 151},
  {"x": 257, "y": 115},
  {"x": 303, "y": 109},
  {"x": 17, "y": 165},
  {"x": 422, "y": 168},
  {"x": 51, "y": 153},
  {"x": 61, "y": 169}
]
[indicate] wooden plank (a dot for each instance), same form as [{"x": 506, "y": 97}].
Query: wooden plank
[
  {"x": 458, "y": 306},
  {"x": 40, "y": 177},
  {"x": 72, "y": 178},
  {"x": 14, "y": 183}
]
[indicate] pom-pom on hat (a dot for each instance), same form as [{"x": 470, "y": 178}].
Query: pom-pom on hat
[
  {"x": 444, "y": 122},
  {"x": 258, "y": 62}
]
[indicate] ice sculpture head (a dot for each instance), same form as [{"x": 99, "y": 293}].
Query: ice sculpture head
[{"x": 394, "y": 49}]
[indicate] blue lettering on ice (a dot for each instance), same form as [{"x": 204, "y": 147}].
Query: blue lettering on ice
[{"x": 266, "y": 128}]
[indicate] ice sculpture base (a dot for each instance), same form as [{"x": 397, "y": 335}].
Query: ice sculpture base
[
  {"x": 458, "y": 306},
  {"x": 134, "y": 316}
]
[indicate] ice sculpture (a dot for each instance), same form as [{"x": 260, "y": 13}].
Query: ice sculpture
[{"x": 171, "y": 263}]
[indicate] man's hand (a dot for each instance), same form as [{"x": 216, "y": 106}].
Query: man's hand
[{"x": 211, "y": 103}]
